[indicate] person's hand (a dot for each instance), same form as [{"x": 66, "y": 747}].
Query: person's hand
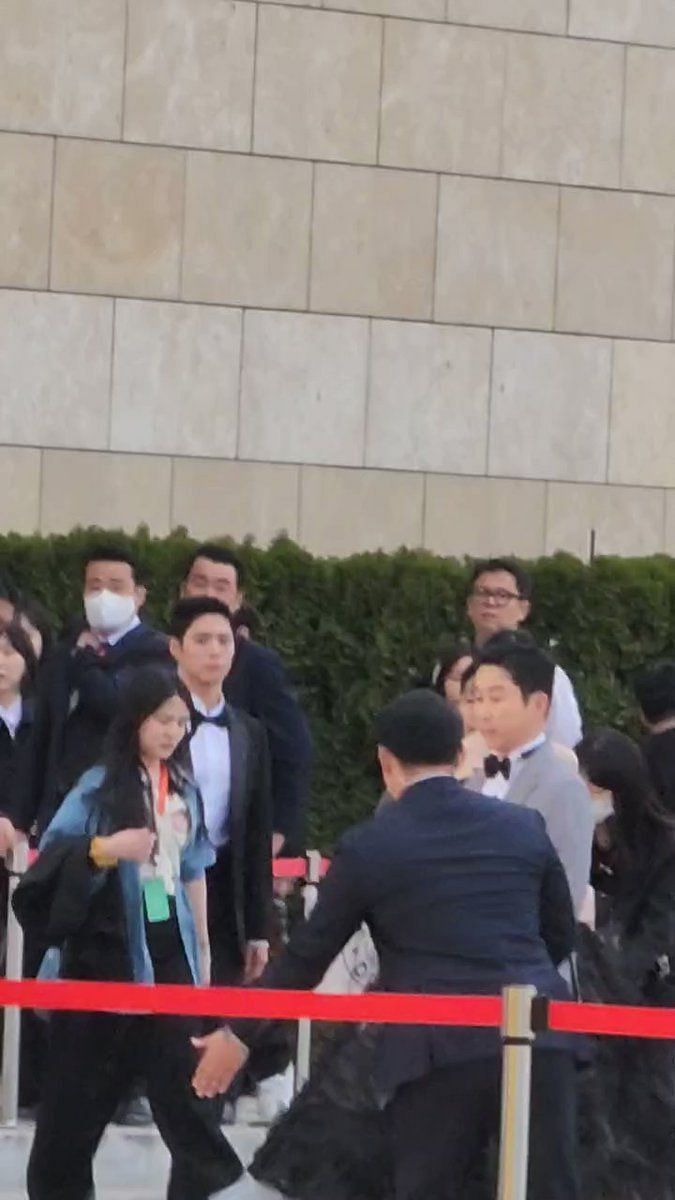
[
  {"x": 88, "y": 640},
  {"x": 8, "y": 836},
  {"x": 255, "y": 960},
  {"x": 222, "y": 1057},
  {"x": 130, "y": 845},
  {"x": 278, "y": 840}
]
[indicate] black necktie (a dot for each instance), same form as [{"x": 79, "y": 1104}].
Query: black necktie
[
  {"x": 493, "y": 766},
  {"x": 221, "y": 720}
]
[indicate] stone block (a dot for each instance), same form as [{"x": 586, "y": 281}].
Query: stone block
[
  {"x": 562, "y": 111},
  {"x": 189, "y": 79},
  {"x": 422, "y": 10},
  {"x": 442, "y": 94},
  {"x": 497, "y": 245},
  {"x": 62, "y": 66},
  {"x": 117, "y": 219},
  {"x": 115, "y": 491},
  {"x": 25, "y": 203},
  {"x": 303, "y": 390},
  {"x": 535, "y": 16},
  {"x": 484, "y": 517},
  {"x": 373, "y": 242},
  {"x": 317, "y": 84},
  {"x": 55, "y": 369},
  {"x": 428, "y": 401},
  {"x": 650, "y": 21},
  {"x": 550, "y": 400},
  {"x": 247, "y": 229},
  {"x": 627, "y": 521},
  {"x": 642, "y": 432},
  {"x": 20, "y": 470},
  {"x": 175, "y": 378},
  {"x": 649, "y": 140},
  {"x": 345, "y": 512},
  {"x": 235, "y": 499},
  {"x": 615, "y": 272}
]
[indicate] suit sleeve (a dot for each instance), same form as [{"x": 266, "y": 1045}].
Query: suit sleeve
[
  {"x": 569, "y": 823},
  {"x": 31, "y": 766},
  {"x": 564, "y": 722},
  {"x": 99, "y": 683},
  {"x": 258, "y": 848},
  {"x": 656, "y": 936},
  {"x": 339, "y": 912},
  {"x": 289, "y": 742},
  {"x": 556, "y": 909}
]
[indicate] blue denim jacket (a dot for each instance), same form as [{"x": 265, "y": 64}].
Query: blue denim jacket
[{"x": 79, "y": 816}]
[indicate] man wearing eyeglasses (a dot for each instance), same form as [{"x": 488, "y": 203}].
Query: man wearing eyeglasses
[{"x": 500, "y": 601}]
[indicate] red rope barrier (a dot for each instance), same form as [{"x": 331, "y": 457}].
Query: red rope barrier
[
  {"x": 295, "y": 868},
  {"x": 381, "y": 1008},
  {"x": 612, "y": 1020}
]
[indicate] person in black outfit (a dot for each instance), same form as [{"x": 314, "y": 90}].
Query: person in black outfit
[
  {"x": 79, "y": 692},
  {"x": 258, "y": 684},
  {"x": 655, "y": 691},
  {"x": 127, "y": 852},
  {"x": 18, "y": 672},
  {"x": 463, "y": 894}
]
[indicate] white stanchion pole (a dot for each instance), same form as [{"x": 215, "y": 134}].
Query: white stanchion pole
[
  {"x": 9, "y": 1094},
  {"x": 304, "y": 1050},
  {"x": 514, "y": 1145}
]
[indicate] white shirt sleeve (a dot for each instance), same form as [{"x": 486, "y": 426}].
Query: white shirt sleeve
[{"x": 564, "y": 720}]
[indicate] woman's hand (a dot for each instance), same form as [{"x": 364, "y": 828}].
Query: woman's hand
[{"x": 129, "y": 845}]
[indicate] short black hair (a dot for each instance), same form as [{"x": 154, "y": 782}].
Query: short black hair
[
  {"x": 217, "y": 554},
  {"x": 655, "y": 692},
  {"x": 531, "y": 669},
  {"x": 420, "y": 730},
  {"x": 507, "y": 639},
  {"x": 489, "y": 566},
  {"x": 247, "y": 617},
  {"x": 190, "y": 609},
  {"x": 447, "y": 659},
  {"x": 110, "y": 552}
]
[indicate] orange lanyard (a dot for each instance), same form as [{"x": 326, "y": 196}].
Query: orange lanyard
[{"x": 163, "y": 789}]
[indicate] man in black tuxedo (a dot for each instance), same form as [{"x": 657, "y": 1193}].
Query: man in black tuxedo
[
  {"x": 258, "y": 684},
  {"x": 78, "y": 693},
  {"x": 463, "y": 894},
  {"x": 230, "y": 761}
]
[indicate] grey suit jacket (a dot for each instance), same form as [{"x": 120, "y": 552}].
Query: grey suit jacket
[{"x": 550, "y": 785}]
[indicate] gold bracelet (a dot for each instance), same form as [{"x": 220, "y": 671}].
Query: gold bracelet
[{"x": 98, "y": 856}]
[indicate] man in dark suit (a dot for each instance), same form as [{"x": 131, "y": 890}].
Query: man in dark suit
[
  {"x": 78, "y": 693},
  {"x": 463, "y": 894},
  {"x": 258, "y": 684},
  {"x": 230, "y": 762},
  {"x": 655, "y": 691}
]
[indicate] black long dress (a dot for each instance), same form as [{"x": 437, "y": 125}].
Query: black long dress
[{"x": 332, "y": 1143}]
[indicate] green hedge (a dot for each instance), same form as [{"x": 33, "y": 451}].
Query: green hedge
[{"x": 356, "y": 631}]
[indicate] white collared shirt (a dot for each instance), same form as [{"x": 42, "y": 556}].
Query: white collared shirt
[
  {"x": 212, "y": 767},
  {"x": 11, "y": 717},
  {"x": 499, "y": 787},
  {"x": 113, "y": 638}
]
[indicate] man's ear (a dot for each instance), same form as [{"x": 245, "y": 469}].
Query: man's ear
[
  {"x": 527, "y": 609},
  {"x": 174, "y": 648},
  {"x": 141, "y": 595}
]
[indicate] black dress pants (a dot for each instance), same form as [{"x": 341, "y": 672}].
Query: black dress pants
[{"x": 441, "y": 1127}]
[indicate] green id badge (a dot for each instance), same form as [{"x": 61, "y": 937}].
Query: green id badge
[{"x": 156, "y": 900}]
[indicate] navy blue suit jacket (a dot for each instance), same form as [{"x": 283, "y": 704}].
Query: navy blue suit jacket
[{"x": 462, "y": 893}]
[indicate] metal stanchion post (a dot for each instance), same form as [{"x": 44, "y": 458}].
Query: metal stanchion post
[
  {"x": 11, "y": 1038},
  {"x": 517, "y": 1039},
  {"x": 304, "y": 1050}
]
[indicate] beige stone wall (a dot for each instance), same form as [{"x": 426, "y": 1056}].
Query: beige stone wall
[{"x": 370, "y": 271}]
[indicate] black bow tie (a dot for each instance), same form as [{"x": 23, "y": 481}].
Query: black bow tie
[
  {"x": 494, "y": 766},
  {"x": 221, "y": 720}
]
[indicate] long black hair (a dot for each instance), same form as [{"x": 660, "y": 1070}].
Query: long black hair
[
  {"x": 447, "y": 659},
  {"x": 642, "y": 829},
  {"x": 121, "y": 793},
  {"x": 20, "y": 641}
]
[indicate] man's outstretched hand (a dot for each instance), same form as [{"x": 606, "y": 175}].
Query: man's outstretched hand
[{"x": 222, "y": 1057}]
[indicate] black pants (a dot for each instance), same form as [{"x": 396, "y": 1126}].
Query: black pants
[{"x": 441, "y": 1126}]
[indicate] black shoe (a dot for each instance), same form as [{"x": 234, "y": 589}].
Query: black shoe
[{"x": 134, "y": 1114}]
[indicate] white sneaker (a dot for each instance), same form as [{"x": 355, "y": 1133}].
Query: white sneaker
[
  {"x": 275, "y": 1095},
  {"x": 247, "y": 1111}
]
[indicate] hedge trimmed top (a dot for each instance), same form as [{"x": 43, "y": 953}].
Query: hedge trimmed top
[{"x": 356, "y": 631}]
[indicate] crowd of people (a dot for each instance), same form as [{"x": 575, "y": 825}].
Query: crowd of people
[{"x": 160, "y": 773}]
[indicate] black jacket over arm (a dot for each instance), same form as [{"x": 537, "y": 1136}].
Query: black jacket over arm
[
  {"x": 76, "y": 701},
  {"x": 462, "y": 893},
  {"x": 259, "y": 685}
]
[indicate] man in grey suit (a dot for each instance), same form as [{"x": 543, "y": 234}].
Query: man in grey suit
[{"x": 512, "y": 686}]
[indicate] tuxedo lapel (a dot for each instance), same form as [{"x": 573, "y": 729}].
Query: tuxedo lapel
[
  {"x": 529, "y": 777},
  {"x": 239, "y": 751}
]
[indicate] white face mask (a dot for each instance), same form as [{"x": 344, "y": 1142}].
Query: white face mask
[
  {"x": 603, "y": 806},
  {"x": 107, "y": 612}
]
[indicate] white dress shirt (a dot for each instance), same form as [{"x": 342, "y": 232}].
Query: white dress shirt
[
  {"x": 113, "y": 638},
  {"x": 211, "y": 764},
  {"x": 11, "y": 716},
  {"x": 499, "y": 786}
]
